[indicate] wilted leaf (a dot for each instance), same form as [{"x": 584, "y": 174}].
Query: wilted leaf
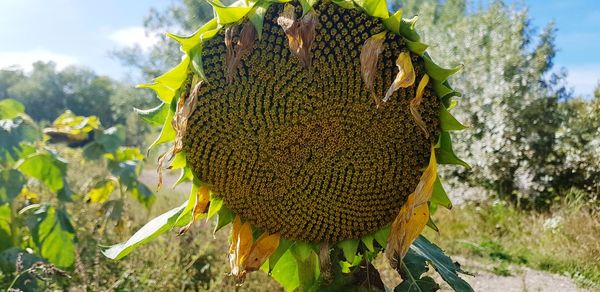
[
  {"x": 413, "y": 215},
  {"x": 369, "y": 57},
  {"x": 405, "y": 77},
  {"x": 261, "y": 250},
  {"x": 416, "y": 101},
  {"x": 300, "y": 33}
]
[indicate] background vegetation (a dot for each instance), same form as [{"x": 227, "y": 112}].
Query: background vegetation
[{"x": 531, "y": 197}]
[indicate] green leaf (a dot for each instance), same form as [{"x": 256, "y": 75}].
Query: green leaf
[
  {"x": 197, "y": 64},
  {"x": 392, "y": 23},
  {"x": 228, "y": 14},
  {"x": 381, "y": 236},
  {"x": 148, "y": 232},
  {"x": 6, "y": 240},
  {"x": 13, "y": 133},
  {"x": 308, "y": 265},
  {"x": 185, "y": 175},
  {"x": 446, "y": 153},
  {"x": 214, "y": 207},
  {"x": 441, "y": 262},
  {"x": 418, "y": 48},
  {"x": 143, "y": 194},
  {"x": 224, "y": 217},
  {"x": 93, "y": 151},
  {"x": 167, "y": 84},
  {"x": 439, "y": 196},
  {"x": 368, "y": 241},
  {"x": 285, "y": 271},
  {"x": 154, "y": 116},
  {"x": 11, "y": 183},
  {"x": 111, "y": 138},
  {"x": 284, "y": 246},
  {"x": 10, "y": 109},
  {"x": 179, "y": 161},
  {"x": 431, "y": 223},
  {"x": 54, "y": 235},
  {"x": 167, "y": 132},
  {"x": 444, "y": 91},
  {"x": 448, "y": 121},
  {"x": 257, "y": 16},
  {"x": 407, "y": 29},
  {"x": 375, "y": 8},
  {"x": 189, "y": 42},
  {"x": 347, "y": 4},
  {"x": 414, "y": 266},
  {"x": 436, "y": 72},
  {"x": 307, "y": 5},
  {"x": 127, "y": 153},
  {"x": 349, "y": 247},
  {"x": 45, "y": 168},
  {"x": 186, "y": 215}
]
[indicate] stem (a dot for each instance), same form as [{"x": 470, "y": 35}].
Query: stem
[
  {"x": 14, "y": 281},
  {"x": 13, "y": 225},
  {"x": 410, "y": 275}
]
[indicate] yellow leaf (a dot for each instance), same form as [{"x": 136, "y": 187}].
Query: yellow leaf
[
  {"x": 413, "y": 215},
  {"x": 415, "y": 102},
  {"x": 261, "y": 250},
  {"x": 405, "y": 77},
  {"x": 200, "y": 207},
  {"x": 424, "y": 189},
  {"x": 369, "y": 56}
]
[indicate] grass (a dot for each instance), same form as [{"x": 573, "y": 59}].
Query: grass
[{"x": 565, "y": 240}]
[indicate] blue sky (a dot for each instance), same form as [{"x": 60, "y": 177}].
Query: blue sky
[{"x": 82, "y": 32}]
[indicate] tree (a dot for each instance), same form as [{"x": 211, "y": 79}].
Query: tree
[{"x": 510, "y": 95}]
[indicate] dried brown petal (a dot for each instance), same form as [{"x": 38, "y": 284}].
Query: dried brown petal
[
  {"x": 369, "y": 56},
  {"x": 416, "y": 101},
  {"x": 242, "y": 47},
  {"x": 300, "y": 33}
]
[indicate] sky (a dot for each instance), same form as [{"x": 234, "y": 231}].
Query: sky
[{"x": 83, "y": 32}]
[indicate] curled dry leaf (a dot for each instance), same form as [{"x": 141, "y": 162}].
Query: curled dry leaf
[
  {"x": 413, "y": 215},
  {"x": 300, "y": 33},
  {"x": 405, "y": 77},
  {"x": 416, "y": 101},
  {"x": 185, "y": 108},
  {"x": 243, "y": 46},
  {"x": 200, "y": 207},
  {"x": 369, "y": 56},
  {"x": 245, "y": 255}
]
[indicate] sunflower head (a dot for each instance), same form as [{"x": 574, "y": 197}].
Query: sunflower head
[{"x": 309, "y": 123}]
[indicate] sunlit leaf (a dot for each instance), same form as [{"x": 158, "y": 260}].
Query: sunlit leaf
[
  {"x": 188, "y": 42},
  {"x": 285, "y": 272},
  {"x": 349, "y": 247},
  {"x": 284, "y": 246},
  {"x": 436, "y": 72},
  {"x": 53, "y": 235},
  {"x": 407, "y": 29},
  {"x": 10, "y": 109},
  {"x": 154, "y": 116},
  {"x": 392, "y": 23},
  {"x": 101, "y": 191},
  {"x": 439, "y": 196},
  {"x": 167, "y": 84},
  {"x": 6, "y": 240},
  {"x": 148, "y": 232},
  {"x": 229, "y": 14},
  {"x": 45, "y": 168},
  {"x": 375, "y": 8}
]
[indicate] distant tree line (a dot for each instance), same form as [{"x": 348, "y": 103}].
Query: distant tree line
[{"x": 47, "y": 92}]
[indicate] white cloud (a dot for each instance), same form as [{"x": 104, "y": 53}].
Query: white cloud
[
  {"x": 25, "y": 59},
  {"x": 584, "y": 78},
  {"x": 131, "y": 36}
]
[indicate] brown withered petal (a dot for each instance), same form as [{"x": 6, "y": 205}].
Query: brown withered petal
[
  {"x": 242, "y": 47},
  {"x": 416, "y": 101},
  {"x": 404, "y": 78},
  {"x": 261, "y": 250},
  {"x": 300, "y": 33},
  {"x": 369, "y": 56}
]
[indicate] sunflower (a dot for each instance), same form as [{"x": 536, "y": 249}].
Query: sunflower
[{"x": 312, "y": 127}]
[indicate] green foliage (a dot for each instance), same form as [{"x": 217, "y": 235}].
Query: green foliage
[{"x": 35, "y": 194}]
